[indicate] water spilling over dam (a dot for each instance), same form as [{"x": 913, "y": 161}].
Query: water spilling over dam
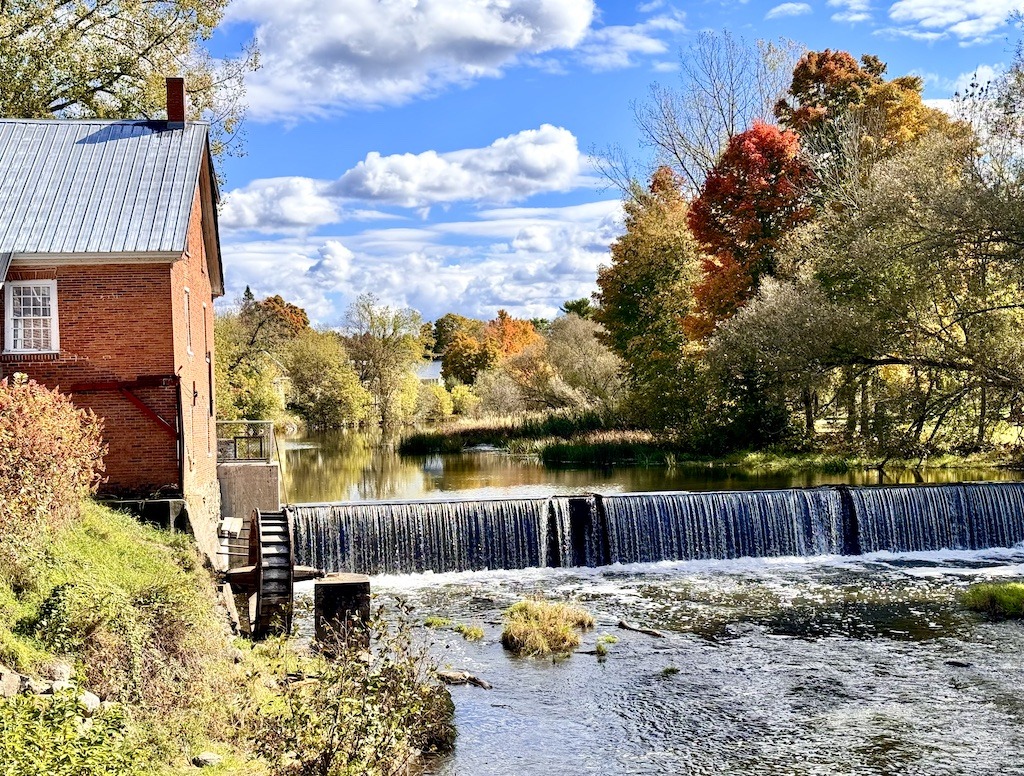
[{"x": 595, "y": 530}]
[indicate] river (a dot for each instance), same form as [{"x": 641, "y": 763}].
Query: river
[
  {"x": 825, "y": 664},
  {"x": 358, "y": 465}
]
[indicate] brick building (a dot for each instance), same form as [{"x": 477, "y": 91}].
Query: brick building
[{"x": 110, "y": 261}]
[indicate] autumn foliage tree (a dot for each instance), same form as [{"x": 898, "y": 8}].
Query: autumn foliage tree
[
  {"x": 758, "y": 192},
  {"x": 848, "y": 112}
]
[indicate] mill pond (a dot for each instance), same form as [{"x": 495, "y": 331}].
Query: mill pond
[{"x": 807, "y": 661}]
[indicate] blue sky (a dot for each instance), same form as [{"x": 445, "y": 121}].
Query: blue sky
[{"x": 437, "y": 153}]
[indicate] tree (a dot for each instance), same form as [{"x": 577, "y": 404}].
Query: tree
[
  {"x": 582, "y": 307},
  {"x": 109, "y": 58},
  {"x": 928, "y": 252},
  {"x": 645, "y": 294},
  {"x": 825, "y": 84},
  {"x": 434, "y": 403},
  {"x": 757, "y": 192},
  {"x": 466, "y": 356},
  {"x": 385, "y": 345},
  {"x": 584, "y": 363},
  {"x": 450, "y": 325},
  {"x": 726, "y": 85},
  {"x": 849, "y": 116},
  {"x": 511, "y": 335},
  {"x": 325, "y": 389}
]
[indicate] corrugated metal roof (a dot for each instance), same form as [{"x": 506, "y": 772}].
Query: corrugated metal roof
[{"x": 97, "y": 186}]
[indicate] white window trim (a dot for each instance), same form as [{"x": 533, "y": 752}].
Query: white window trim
[
  {"x": 9, "y": 317},
  {"x": 188, "y": 321}
]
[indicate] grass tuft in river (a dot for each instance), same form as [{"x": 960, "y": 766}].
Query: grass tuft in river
[
  {"x": 999, "y": 600},
  {"x": 539, "y": 628},
  {"x": 469, "y": 632}
]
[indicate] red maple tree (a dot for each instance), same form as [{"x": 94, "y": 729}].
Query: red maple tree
[{"x": 756, "y": 193}]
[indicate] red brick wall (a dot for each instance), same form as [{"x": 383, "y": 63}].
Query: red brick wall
[
  {"x": 200, "y": 466},
  {"x": 113, "y": 323},
  {"x": 121, "y": 322}
]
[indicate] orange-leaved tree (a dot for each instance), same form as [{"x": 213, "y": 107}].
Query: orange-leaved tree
[{"x": 756, "y": 193}]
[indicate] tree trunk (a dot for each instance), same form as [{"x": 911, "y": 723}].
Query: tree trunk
[
  {"x": 865, "y": 407},
  {"x": 982, "y": 412},
  {"x": 808, "y": 400},
  {"x": 850, "y": 402}
]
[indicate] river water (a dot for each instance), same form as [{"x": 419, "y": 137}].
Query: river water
[
  {"x": 828, "y": 665},
  {"x": 786, "y": 665},
  {"x": 358, "y": 465}
]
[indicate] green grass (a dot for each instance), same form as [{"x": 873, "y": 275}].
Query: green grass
[
  {"x": 536, "y": 628},
  {"x": 999, "y": 600},
  {"x": 433, "y": 621},
  {"x": 469, "y": 632},
  {"x": 132, "y": 610}
]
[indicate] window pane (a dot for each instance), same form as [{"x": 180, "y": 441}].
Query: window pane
[{"x": 31, "y": 317}]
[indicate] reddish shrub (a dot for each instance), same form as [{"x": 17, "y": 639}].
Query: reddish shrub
[{"x": 51, "y": 455}]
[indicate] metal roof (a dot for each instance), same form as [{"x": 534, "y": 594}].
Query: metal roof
[{"x": 87, "y": 187}]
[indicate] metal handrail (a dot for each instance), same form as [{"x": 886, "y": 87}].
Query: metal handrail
[{"x": 246, "y": 440}]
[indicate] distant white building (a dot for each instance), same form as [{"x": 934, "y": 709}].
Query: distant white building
[{"x": 429, "y": 373}]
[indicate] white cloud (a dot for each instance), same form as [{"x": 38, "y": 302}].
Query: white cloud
[
  {"x": 276, "y": 204},
  {"x": 851, "y": 11},
  {"x": 527, "y": 260},
  {"x": 512, "y": 168},
  {"x": 970, "y": 21},
  {"x": 788, "y": 9},
  {"x": 319, "y": 56},
  {"x": 616, "y": 46}
]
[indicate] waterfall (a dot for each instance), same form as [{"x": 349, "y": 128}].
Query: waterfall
[
  {"x": 593, "y": 530},
  {"x": 412, "y": 537},
  {"x": 645, "y": 527},
  {"x": 969, "y": 516}
]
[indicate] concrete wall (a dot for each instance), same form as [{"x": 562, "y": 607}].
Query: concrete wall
[{"x": 245, "y": 486}]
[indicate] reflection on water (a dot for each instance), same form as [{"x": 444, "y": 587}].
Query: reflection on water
[
  {"x": 786, "y": 666},
  {"x": 356, "y": 465}
]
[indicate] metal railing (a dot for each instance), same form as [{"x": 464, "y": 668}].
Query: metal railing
[{"x": 246, "y": 440}]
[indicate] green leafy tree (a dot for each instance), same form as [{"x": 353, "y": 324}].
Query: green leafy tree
[
  {"x": 645, "y": 294},
  {"x": 582, "y": 307},
  {"x": 451, "y": 325},
  {"x": 109, "y": 59},
  {"x": 385, "y": 345},
  {"x": 434, "y": 403},
  {"x": 325, "y": 389}
]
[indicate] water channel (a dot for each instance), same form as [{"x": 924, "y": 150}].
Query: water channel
[{"x": 819, "y": 664}]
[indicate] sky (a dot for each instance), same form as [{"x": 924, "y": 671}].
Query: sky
[{"x": 440, "y": 153}]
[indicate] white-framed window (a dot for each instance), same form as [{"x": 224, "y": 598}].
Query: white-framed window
[{"x": 30, "y": 316}]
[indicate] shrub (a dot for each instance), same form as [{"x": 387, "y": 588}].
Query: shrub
[
  {"x": 41, "y": 734},
  {"x": 433, "y": 403},
  {"x": 1000, "y": 600},
  {"x": 50, "y": 456},
  {"x": 360, "y": 713},
  {"x": 464, "y": 401},
  {"x": 539, "y": 628}
]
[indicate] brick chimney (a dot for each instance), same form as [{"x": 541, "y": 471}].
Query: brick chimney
[{"x": 175, "y": 103}]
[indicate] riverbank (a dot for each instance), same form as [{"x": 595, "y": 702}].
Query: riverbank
[
  {"x": 128, "y": 615},
  {"x": 587, "y": 440}
]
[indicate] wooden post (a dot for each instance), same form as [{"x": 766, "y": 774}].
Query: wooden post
[{"x": 341, "y": 606}]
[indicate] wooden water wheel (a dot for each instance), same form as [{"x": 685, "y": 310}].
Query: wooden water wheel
[{"x": 270, "y": 576}]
